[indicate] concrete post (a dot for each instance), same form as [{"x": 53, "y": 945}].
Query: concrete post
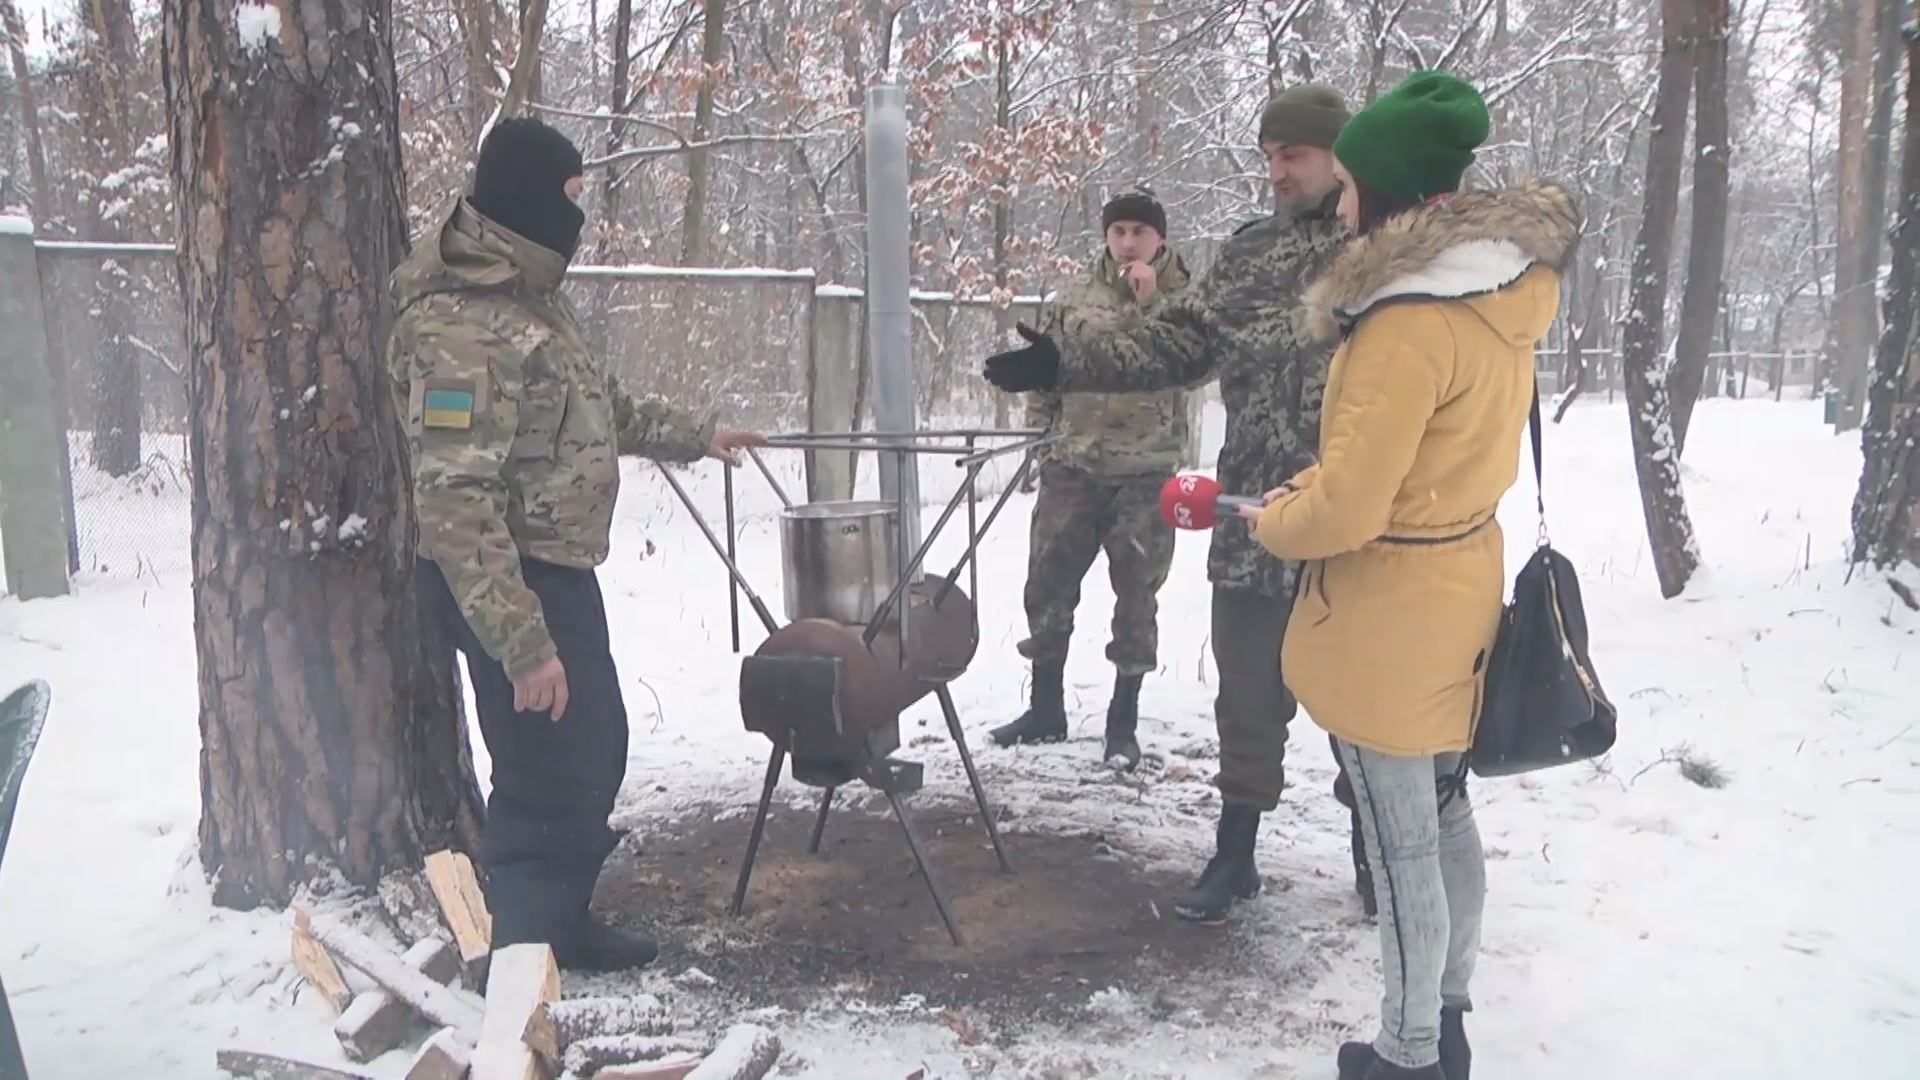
[
  {"x": 33, "y": 519},
  {"x": 833, "y": 379}
]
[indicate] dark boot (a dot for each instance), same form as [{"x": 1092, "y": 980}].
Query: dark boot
[
  {"x": 599, "y": 947},
  {"x": 1123, "y": 718},
  {"x": 1046, "y": 719},
  {"x": 1456, "y": 1057},
  {"x": 1357, "y": 843},
  {"x": 1357, "y": 1061},
  {"x": 1230, "y": 874}
]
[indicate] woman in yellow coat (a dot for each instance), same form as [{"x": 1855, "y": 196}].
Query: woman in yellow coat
[{"x": 1439, "y": 301}]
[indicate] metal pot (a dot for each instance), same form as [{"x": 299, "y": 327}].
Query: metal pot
[{"x": 841, "y": 558}]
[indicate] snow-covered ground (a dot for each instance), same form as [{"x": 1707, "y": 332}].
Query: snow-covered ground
[{"x": 1639, "y": 925}]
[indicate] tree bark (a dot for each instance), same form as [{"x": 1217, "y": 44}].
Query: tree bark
[
  {"x": 1886, "y": 510},
  {"x": 1707, "y": 249},
  {"x": 1853, "y": 315},
  {"x": 328, "y": 743},
  {"x": 16, "y": 31},
  {"x": 108, "y": 53},
  {"x": 1002, "y": 210},
  {"x": 523, "y": 82},
  {"x": 1656, "y": 458},
  {"x": 481, "y": 78},
  {"x": 713, "y": 45}
]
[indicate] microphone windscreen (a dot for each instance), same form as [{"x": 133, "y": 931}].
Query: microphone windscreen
[{"x": 1189, "y": 501}]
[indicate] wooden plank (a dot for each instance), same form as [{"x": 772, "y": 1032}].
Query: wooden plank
[
  {"x": 450, "y": 875},
  {"x": 677, "y": 1068},
  {"x": 746, "y": 1052},
  {"x": 377, "y": 1021},
  {"x": 316, "y": 966},
  {"x": 440, "y": 1004},
  {"x": 250, "y": 1065},
  {"x": 520, "y": 979},
  {"x": 446, "y": 1056}
]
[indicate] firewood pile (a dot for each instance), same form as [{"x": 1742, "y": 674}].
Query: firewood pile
[{"x": 470, "y": 1012}]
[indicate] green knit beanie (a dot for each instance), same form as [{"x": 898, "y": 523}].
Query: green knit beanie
[
  {"x": 1306, "y": 115},
  {"x": 1416, "y": 140}
]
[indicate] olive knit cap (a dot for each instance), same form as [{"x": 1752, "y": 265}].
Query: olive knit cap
[{"x": 1306, "y": 115}]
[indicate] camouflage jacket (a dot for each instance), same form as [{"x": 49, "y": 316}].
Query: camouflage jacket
[
  {"x": 1124, "y": 434},
  {"x": 1236, "y": 324},
  {"x": 513, "y": 423}
]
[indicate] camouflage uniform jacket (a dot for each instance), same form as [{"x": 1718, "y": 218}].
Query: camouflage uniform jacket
[
  {"x": 513, "y": 423},
  {"x": 1236, "y": 324},
  {"x": 1113, "y": 435}
]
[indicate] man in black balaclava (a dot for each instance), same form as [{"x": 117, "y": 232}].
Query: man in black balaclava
[{"x": 515, "y": 430}]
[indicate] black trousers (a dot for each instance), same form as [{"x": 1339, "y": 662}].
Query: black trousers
[{"x": 554, "y": 784}]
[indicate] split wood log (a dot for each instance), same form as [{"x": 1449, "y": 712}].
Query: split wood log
[
  {"x": 316, "y": 966},
  {"x": 587, "y": 1018},
  {"x": 250, "y": 1065},
  {"x": 588, "y": 1056},
  {"x": 450, "y": 875},
  {"x": 676, "y": 1069},
  {"x": 441, "y": 1004},
  {"x": 446, "y": 1056},
  {"x": 377, "y": 1021},
  {"x": 521, "y": 979},
  {"x": 746, "y": 1052}
]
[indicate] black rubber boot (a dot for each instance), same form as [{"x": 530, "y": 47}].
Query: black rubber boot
[
  {"x": 1230, "y": 874},
  {"x": 1456, "y": 1057},
  {"x": 1357, "y": 1061},
  {"x": 1123, "y": 719},
  {"x": 1045, "y": 720},
  {"x": 600, "y": 947},
  {"x": 1357, "y": 842}
]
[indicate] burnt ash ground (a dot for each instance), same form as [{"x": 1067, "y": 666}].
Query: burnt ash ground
[{"x": 856, "y": 921}]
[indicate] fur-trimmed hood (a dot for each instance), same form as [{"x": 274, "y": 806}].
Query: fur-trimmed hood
[{"x": 1471, "y": 244}]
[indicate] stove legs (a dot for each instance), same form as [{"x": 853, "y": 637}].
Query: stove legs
[
  {"x": 973, "y": 776},
  {"x": 774, "y": 765}
]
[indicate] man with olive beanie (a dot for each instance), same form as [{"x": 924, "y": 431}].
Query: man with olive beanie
[{"x": 1235, "y": 324}]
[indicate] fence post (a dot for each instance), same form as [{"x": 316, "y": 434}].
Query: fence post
[
  {"x": 32, "y": 513},
  {"x": 833, "y": 377}
]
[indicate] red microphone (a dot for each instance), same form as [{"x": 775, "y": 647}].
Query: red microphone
[{"x": 1193, "y": 501}]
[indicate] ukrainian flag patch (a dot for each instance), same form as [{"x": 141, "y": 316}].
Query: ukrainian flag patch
[{"x": 448, "y": 409}]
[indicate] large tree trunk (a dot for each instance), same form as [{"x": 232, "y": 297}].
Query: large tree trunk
[
  {"x": 1707, "y": 250},
  {"x": 713, "y": 46},
  {"x": 1655, "y": 456},
  {"x": 1851, "y": 333},
  {"x": 1886, "y": 511},
  {"x": 108, "y": 51},
  {"x": 327, "y": 740},
  {"x": 477, "y": 24}
]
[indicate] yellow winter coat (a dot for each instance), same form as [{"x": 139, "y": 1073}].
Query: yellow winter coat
[{"x": 1420, "y": 436}]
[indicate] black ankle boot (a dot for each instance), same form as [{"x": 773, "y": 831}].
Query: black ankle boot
[
  {"x": 1230, "y": 874},
  {"x": 1357, "y": 1061},
  {"x": 600, "y": 947},
  {"x": 1456, "y": 1057},
  {"x": 1046, "y": 719},
  {"x": 1123, "y": 719}
]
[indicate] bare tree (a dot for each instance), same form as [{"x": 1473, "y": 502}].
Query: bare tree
[
  {"x": 1853, "y": 314},
  {"x": 1707, "y": 249},
  {"x": 1886, "y": 511},
  {"x": 1656, "y": 457},
  {"x": 713, "y": 44},
  {"x": 330, "y": 736},
  {"x": 108, "y": 52}
]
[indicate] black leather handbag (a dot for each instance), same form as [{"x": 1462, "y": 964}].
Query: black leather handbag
[{"x": 1543, "y": 705}]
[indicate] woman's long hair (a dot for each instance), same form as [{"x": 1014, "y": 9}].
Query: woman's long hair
[{"x": 1377, "y": 209}]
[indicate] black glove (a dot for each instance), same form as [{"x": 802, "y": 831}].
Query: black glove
[{"x": 1035, "y": 367}]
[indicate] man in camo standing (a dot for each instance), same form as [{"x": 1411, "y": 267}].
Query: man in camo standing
[
  {"x": 516, "y": 431},
  {"x": 1101, "y": 485},
  {"x": 1236, "y": 324}
]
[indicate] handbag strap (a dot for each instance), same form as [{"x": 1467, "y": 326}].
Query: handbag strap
[{"x": 1539, "y": 466}]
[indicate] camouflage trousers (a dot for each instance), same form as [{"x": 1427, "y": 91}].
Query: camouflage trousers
[{"x": 1078, "y": 515}]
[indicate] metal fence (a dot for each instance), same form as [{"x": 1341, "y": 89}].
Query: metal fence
[{"x": 769, "y": 349}]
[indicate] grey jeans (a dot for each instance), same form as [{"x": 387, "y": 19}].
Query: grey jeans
[{"x": 1430, "y": 875}]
